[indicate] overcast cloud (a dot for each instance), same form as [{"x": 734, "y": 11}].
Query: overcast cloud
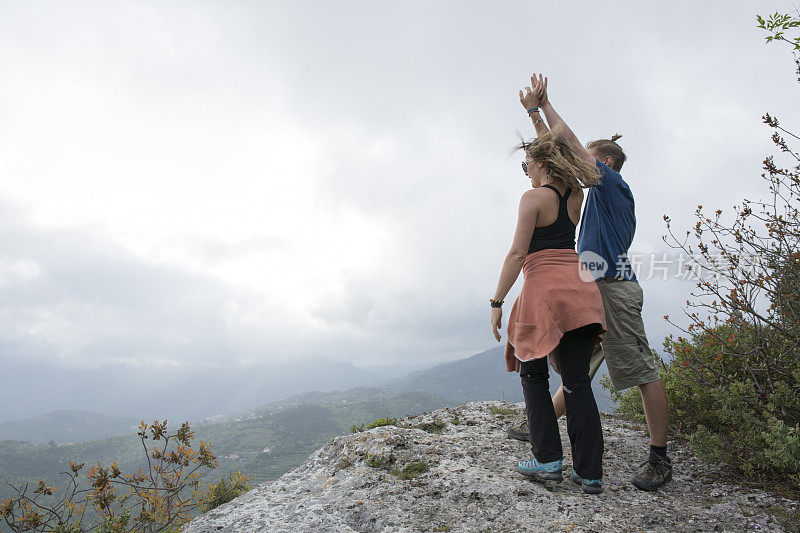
[{"x": 212, "y": 183}]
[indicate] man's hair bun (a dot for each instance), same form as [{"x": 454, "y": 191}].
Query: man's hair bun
[{"x": 609, "y": 148}]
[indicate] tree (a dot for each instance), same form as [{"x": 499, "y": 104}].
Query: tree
[{"x": 158, "y": 498}]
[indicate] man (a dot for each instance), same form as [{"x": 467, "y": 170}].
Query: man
[{"x": 606, "y": 232}]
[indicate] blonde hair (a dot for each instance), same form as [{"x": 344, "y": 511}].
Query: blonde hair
[{"x": 563, "y": 164}]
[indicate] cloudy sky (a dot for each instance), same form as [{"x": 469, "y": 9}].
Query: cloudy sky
[{"x": 202, "y": 183}]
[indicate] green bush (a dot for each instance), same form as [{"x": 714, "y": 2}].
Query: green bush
[
  {"x": 717, "y": 405},
  {"x": 225, "y": 490},
  {"x": 629, "y": 401},
  {"x": 386, "y": 421}
]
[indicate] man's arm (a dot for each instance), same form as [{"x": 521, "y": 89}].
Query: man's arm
[{"x": 555, "y": 121}]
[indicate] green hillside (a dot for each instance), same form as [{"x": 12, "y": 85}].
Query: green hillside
[{"x": 291, "y": 433}]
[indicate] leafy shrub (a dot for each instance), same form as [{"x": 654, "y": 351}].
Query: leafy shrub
[
  {"x": 386, "y": 421},
  {"x": 158, "y": 498},
  {"x": 224, "y": 490},
  {"x": 725, "y": 418},
  {"x": 629, "y": 401}
]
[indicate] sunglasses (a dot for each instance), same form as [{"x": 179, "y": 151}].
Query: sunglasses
[{"x": 525, "y": 167}]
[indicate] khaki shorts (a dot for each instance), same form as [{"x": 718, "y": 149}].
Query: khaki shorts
[{"x": 627, "y": 353}]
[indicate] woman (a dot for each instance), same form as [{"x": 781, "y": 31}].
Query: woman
[{"x": 557, "y": 311}]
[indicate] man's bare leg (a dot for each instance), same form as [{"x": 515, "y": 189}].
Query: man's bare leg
[
  {"x": 558, "y": 402},
  {"x": 594, "y": 364},
  {"x": 656, "y": 411}
]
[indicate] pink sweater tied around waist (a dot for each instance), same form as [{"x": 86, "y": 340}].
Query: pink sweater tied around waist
[{"x": 555, "y": 298}]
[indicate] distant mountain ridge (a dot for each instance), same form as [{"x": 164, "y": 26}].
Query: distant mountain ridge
[
  {"x": 182, "y": 392},
  {"x": 483, "y": 376},
  {"x": 480, "y": 377},
  {"x": 476, "y": 378},
  {"x": 66, "y": 427}
]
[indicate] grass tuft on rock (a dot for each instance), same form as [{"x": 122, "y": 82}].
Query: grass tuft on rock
[
  {"x": 504, "y": 411},
  {"x": 379, "y": 461},
  {"x": 432, "y": 427},
  {"x": 411, "y": 470}
]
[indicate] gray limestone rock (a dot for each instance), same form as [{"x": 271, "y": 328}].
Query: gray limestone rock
[{"x": 352, "y": 485}]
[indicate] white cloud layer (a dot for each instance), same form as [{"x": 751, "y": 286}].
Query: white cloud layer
[{"x": 192, "y": 182}]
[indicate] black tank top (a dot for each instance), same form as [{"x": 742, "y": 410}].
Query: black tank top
[{"x": 560, "y": 234}]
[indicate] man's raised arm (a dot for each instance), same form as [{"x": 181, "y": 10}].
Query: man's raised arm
[{"x": 555, "y": 120}]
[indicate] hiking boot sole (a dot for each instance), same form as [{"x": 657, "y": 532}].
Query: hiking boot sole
[
  {"x": 543, "y": 476},
  {"x": 640, "y": 483},
  {"x": 588, "y": 489}
]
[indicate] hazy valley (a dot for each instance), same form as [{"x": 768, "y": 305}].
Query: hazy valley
[{"x": 263, "y": 441}]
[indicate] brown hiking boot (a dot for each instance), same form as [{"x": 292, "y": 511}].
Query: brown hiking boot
[
  {"x": 519, "y": 431},
  {"x": 654, "y": 474}
]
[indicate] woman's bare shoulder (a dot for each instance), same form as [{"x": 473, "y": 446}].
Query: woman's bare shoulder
[{"x": 537, "y": 193}]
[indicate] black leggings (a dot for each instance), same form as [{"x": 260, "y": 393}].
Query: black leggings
[{"x": 583, "y": 419}]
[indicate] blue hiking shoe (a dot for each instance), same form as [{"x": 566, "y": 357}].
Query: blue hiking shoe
[
  {"x": 542, "y": 471},
  {"x": 590, "y": 486}
]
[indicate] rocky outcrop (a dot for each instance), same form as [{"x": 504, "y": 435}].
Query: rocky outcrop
[{"x": 377, "y": 481}]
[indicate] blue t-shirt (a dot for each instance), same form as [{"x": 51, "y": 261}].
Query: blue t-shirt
[{"x": 608, "y": 224}]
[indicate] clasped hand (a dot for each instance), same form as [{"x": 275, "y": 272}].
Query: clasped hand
[{"x": 536, "y": 94}]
